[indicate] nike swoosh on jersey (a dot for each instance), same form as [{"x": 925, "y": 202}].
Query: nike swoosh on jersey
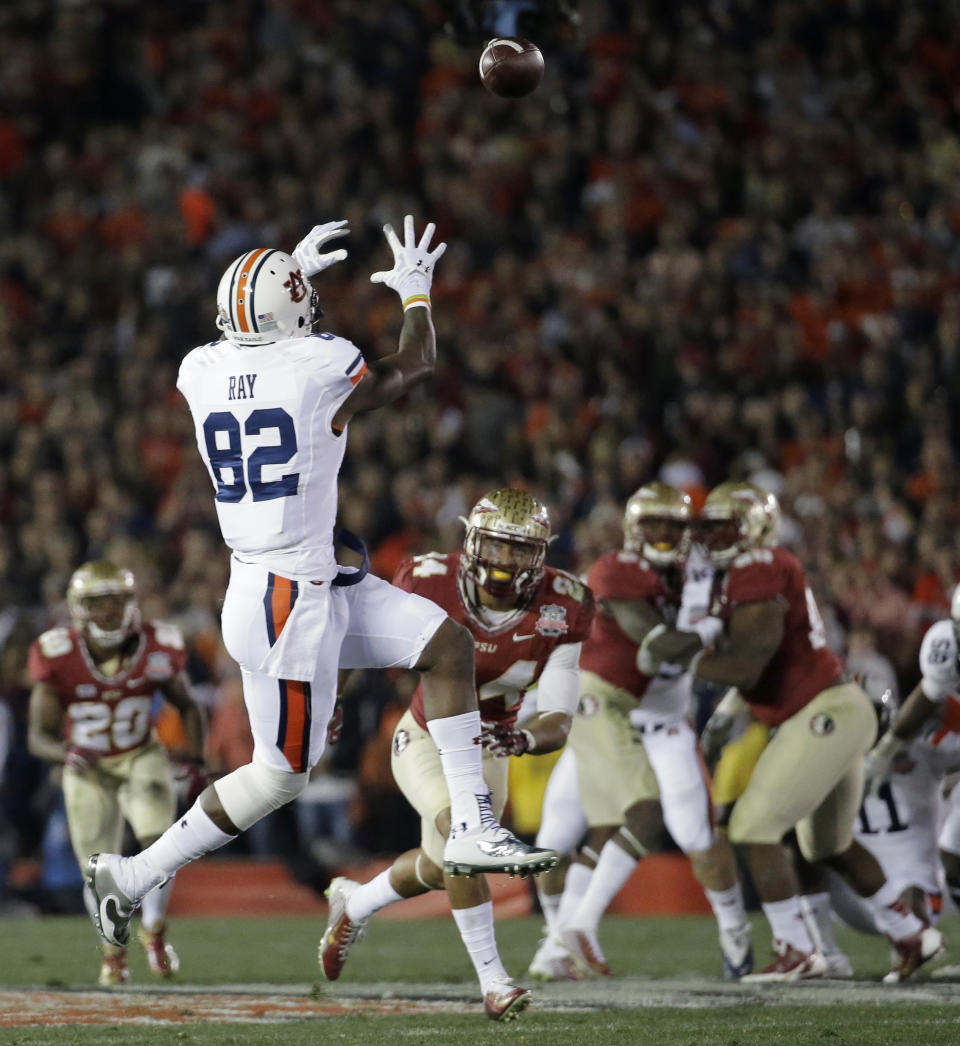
[{"x": 519, "y": 639}]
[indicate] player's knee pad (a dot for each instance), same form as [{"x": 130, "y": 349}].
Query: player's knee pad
[{"x": 254, "y": 790}]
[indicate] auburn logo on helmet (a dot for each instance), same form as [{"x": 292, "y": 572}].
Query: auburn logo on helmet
[{"x": 296, "y": 286}]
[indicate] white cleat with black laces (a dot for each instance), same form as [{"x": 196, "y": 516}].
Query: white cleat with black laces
[
  {"x": 113, "y": 907},
  {"x": 489, "y": 847}
]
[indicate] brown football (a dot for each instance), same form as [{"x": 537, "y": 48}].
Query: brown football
[{"x": 511, "y": 67}]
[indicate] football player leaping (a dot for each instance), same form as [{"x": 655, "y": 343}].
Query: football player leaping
[
  {"x": 773, "y": 649},
  {"x": 271, "y": 401},
  {"x": 528, "y": 621},
  {"x": 90, "y": 709},
  {"x": 637, "y": 758}
]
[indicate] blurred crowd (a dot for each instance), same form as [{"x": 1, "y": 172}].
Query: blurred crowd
[{"x": 721, "y": 240}]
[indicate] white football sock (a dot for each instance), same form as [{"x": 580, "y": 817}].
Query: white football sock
[
  {"x": 461, "y": 758},
  {"x": 819, "y": 915},
  {"x": 476, "y": 931},
  {"x": 728, "y": 907},
  {"x": 550, "y": 906},
  {"x": 371, "y": 897},
  {"x": 786, "y": 922},
  {"x": 153, "y": 909},
  {"x": 613, "y": 869},
  {"x": 574, "y": 886},
  {"x": 891, "y": 916},
  {"x": 184, "y": 841}
]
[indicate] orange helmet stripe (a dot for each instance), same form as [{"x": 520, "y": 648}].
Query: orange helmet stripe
[{"x": 240, "y": 293}]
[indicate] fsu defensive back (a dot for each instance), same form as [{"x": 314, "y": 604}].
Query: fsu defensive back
[
  {"x": 91, "y": 710},
  {"x": 528, "y": 621}
]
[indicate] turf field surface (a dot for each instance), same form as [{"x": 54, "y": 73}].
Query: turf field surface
[{"x": 254, "y": 981}]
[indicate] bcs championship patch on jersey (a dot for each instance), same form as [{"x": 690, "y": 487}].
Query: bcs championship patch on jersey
[
  {"x": 509, "y": 659},
  {"x": 110, "y": 714}
]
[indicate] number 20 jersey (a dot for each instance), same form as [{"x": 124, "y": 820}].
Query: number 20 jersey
[
  {"x": 509, "y": 658},
  {"x": 263, "y": 419},
  {"x": 110, "y": 714}
]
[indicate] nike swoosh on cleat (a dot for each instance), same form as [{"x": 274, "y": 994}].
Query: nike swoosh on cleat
[{"x": 109, "y": 909}]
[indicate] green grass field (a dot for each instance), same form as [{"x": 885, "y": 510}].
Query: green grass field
[{"x": 667, "y": 989}]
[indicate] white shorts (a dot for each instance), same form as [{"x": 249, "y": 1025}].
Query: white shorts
[{"x": 372, "y": 624}]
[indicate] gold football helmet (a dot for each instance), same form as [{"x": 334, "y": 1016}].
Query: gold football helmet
[
  {"x": 505, "y": 546},
  {"x": 656, "y": 524},
  {"x": 736, "y": 517},
  {"x": 103, "y": 603}
]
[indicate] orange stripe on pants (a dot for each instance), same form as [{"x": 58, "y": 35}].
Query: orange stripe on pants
[{"x": 295, "y": 697}]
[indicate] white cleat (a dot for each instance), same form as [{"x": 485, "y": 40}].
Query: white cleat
[
  {"x": 553, "y": 962},
  {"x": 341, "y": 932},
  {"x": 505, "y": 1001},
  {"x": 839, "y": 967},
  {"x": 789, "y": 965},
  {"x": 736, "y": 949},
  {"x": 491, "y": 848},
  {"x": 113, "y": 907},
  {"x": 584, "y": 947},
  {"x": 912, "y": 952}
]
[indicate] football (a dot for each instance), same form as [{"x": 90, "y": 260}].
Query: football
[{"x": 511, "y": 67}]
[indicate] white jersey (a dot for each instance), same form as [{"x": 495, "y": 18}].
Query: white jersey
[
  {"x": 900, "y": 825},
  {"x": 263, "y": 419},
  {"x": 938, "y": 662}
]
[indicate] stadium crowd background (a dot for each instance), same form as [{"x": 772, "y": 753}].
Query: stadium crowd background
[{"x": 720, "y": 241}]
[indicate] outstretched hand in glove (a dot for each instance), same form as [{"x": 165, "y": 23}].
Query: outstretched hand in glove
[{"x": 413, "y": 263}]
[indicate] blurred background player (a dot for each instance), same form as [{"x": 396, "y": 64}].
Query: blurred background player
[
  {"x": 270, "y": 403},
  {"x": 809, "y": 777},
  {"x": 91, "y": 710},
  {"x": 923, "y": 744},
  {"x": 638, "y": 762},
  {"x": 528, "y": 621}
]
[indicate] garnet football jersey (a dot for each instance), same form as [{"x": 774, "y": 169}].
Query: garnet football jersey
[
  {"x": 263, "y": 417},
  {"x": 609, "y": 652},
  {"x": 803, "y": 665},
  {"x": 110, "y": 714},
  {"x": 509, "y": 658}
]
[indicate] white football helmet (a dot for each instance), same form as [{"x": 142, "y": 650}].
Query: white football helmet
[
  {"x": 263, "y": 297},
  {"x": 103, "y": 603}
]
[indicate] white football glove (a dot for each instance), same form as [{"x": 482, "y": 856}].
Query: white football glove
[
  {"x": 412, "y": 273},
  {"x": 879, "y": 760},
  {"x": 307, "y": 252}
]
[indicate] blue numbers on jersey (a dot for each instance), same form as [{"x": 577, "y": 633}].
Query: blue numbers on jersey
[{"x": 231, "y": 456}]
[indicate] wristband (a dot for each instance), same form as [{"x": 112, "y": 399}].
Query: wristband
[{"x": 416, "y": 301}]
